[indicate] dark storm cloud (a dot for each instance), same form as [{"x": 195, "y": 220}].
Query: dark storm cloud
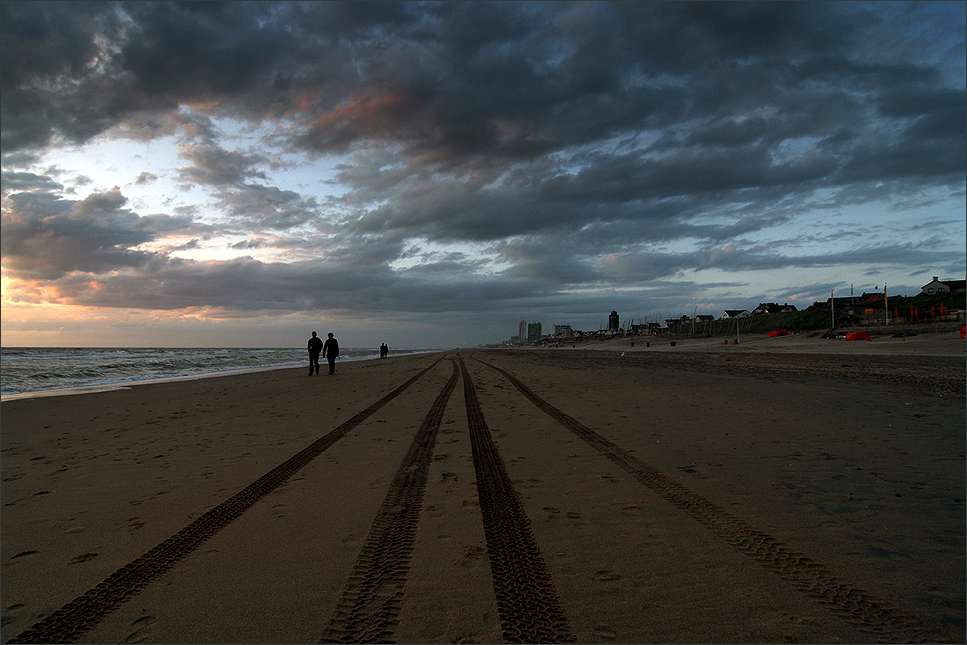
[
  {"x": 27, "y": 182},
  {"x": 442, "y": 77},
  {"x": 146, "y": 126},
  {"x": 599, "y": 128},
  {"x": 214, "y": 166},
  {"x": 260, "y": 207},
  {"x": 45, "y": 49},
  {"x": 250, "y": 285},
  {"x": 45, "y": 237}
]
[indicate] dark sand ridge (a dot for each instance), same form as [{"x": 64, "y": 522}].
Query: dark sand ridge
[{"x": 676, "y": 497}]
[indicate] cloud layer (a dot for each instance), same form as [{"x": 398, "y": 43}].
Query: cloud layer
[{"x": 489, "y": 161}]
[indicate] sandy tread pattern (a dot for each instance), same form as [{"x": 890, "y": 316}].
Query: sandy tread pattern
[
  {"x": 884, "y": 620},
  {"x": 368, "y": 609},
  {"x": 527, "y": 602},
  {"x": 69, "y": 623}
]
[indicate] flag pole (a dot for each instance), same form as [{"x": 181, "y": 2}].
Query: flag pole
[
  {"x": 886, "y": 305},
  {"x": 832, "y": 310}
]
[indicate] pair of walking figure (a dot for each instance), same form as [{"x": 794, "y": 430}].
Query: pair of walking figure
[{"x": 328, "y": 349}]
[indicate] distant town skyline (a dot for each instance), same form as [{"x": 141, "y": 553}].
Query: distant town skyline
[{"x": 662, "y": 317}]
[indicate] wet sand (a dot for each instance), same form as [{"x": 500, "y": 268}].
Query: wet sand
[{"x": 781, "y": 490}]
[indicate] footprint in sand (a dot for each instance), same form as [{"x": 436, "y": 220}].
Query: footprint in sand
[
  {"x": 474, "y": 552},
  {"x": 432, "y": 510},
  {"x": 84, "y": 557},
  {"x": 140, "y": 626},
  {"x": 605, "y": 633},
  {"x": 606, "y": 576},
  {"x": 6, "y": 619}
]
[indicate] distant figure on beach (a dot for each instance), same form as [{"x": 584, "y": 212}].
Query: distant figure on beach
[
  {"x": 383, "y": 350},
  {"x": 330, "y": 350},
  {"x": 315, "y": 346}
]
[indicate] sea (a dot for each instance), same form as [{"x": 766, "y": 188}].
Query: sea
[{"x": 27, "y": 372}]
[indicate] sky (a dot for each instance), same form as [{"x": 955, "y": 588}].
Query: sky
[{"x": 428, "y": 175}]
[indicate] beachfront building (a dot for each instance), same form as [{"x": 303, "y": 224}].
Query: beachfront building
[
  {"x": 522, "y": 331},
  {"x": 735, "y": 313},
  {"x": 677, "y": 323},
  {"x": 533, "y": 332},
  {"x": 846, "y": 302},
  {"x": 936, "y": 286},
  {"x": 613, "y": 321},
  {"x": 562, "y": 331},
  {"x": 772, "y": 308},
  {"x": 646, "y": 328}
]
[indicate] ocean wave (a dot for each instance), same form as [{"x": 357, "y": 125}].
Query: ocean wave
[{"x": 26, "y": 370}]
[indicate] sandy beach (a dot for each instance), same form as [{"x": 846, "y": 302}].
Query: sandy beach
[{"x": 782, "y": 490}]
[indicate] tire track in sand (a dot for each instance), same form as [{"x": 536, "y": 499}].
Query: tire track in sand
[
  {"x": 368, "y": 610},
  {"x": 527, "y": 601},
  {"x": 73, "y": 620},
  {"x": 880, "y": 617}
]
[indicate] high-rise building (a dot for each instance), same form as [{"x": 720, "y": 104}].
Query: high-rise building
[
  {"x": 523, "y": 332},
  {"x": 613, "y": 321},
  {"x": 533, "y": 332}
]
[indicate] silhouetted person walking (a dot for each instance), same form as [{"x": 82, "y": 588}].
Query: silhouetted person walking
[
  {"x": 330, "y": 350},
  {"x": 315, "y": 346},
  {"x": 383, "y": 350}
]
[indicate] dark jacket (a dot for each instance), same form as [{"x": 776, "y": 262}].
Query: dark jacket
[
  {"x": 330, "y": 348},
  {"x": 315, "y": 345}
]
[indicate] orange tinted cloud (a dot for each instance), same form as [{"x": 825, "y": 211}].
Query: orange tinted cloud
[{"x": 374, "y": 114}]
